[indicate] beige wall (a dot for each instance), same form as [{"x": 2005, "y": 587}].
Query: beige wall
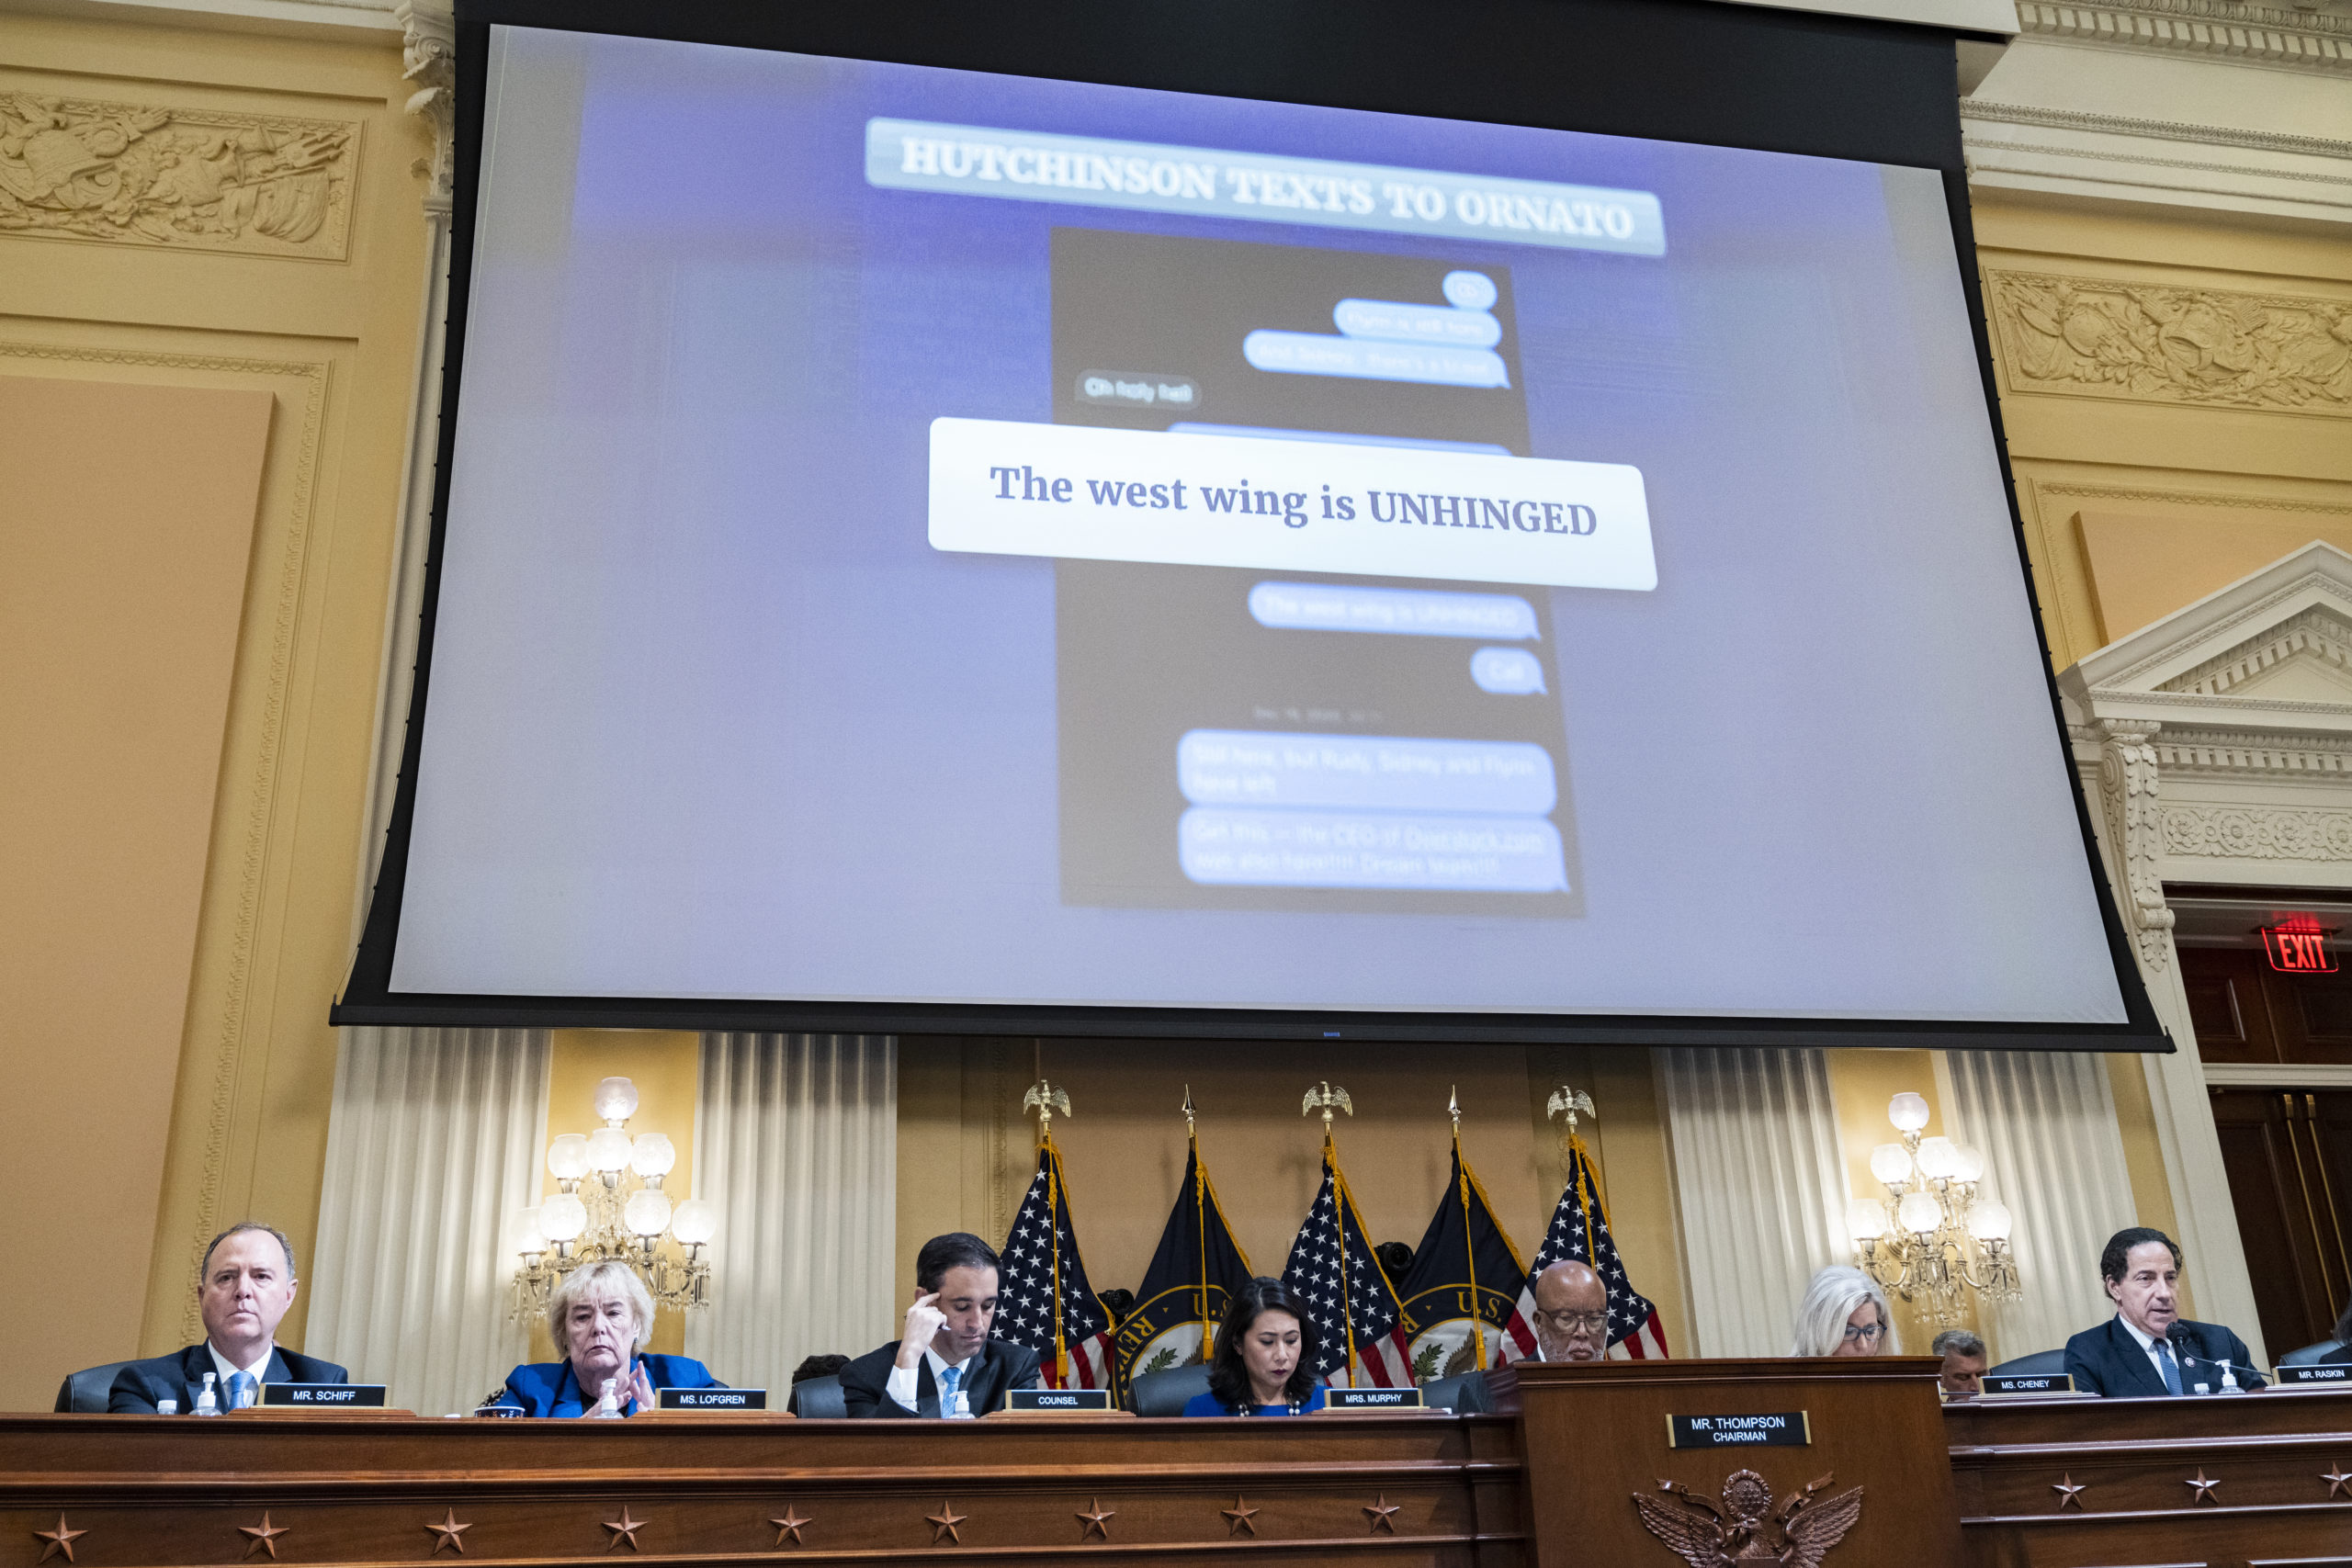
[{"x": 283, "y": 267}]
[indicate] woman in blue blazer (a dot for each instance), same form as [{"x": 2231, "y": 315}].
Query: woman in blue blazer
[
  {"x": 1264, "y": 1363},
  {"x": 600, "y": 1317}
]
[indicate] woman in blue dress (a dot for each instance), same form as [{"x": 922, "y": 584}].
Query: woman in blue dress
[
  {"x": 600, "y": 1316},
  {"x": 1264, "y": 1363}
]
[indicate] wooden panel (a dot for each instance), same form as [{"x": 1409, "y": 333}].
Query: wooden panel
[
  {"x": 2288, "y": 1155},
  {"x": 2104, "y": 1483},
  {"x": 2227, "y": 1005},
  {"x": 168, "y": 1490},
  {"x": 1595, "y": 1436}
]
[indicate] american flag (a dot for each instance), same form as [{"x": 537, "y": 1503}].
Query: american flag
[
  {"x": 1043, "y": 1299},
  {"x": 1332, "y": 1270},
  {"x": 1580, "y": 1230}
]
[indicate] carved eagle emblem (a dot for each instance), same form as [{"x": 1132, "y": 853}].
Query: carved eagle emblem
[{"x": 1745, "y": 1528}]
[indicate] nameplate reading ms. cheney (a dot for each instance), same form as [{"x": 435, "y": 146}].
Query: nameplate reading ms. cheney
[{"x": 1778, "y": 1430}]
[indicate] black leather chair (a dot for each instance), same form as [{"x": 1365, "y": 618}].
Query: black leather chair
[
  {"x": 85, "y": 1391},
  {"x": 1167, "y": 1393},
  {"x": 818, "y": 1399},
  {"x": 2036, "y": 1365},
  {"x": 1464, "y": 1395},
  {"x": 2310, "y": 1353}
]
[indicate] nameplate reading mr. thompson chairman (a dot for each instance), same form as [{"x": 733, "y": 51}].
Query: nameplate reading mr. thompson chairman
[{"x": 1775, "y": 1430}]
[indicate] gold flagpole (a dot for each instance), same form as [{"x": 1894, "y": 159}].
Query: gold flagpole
[
  {"x": 1199, "y": 1225},
  {"x": 1326, "y": 1099},
  {"x": 1045, "y": 1098},
  {"x": 1469, "y": 1243}
]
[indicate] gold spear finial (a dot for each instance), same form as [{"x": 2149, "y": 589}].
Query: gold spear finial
[
  {"x": 1453, "y": 1107},
  {"x": 1189, "y": 1131},
  {"x": 1326, "y": 1099},
  {"x": 1045, "y": 1099}
]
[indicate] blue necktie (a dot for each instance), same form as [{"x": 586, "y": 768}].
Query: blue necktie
[
  {"x": 242, "y": 1390},
  {"x": 2165, "y": 1364},
  {"x": 949, "y": 1377}
]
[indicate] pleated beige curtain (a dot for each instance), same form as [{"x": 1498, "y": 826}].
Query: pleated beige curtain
[
  {"x": 796, "y": 1143},
  {"x": 1760, "y": 1186},
  {"x": 432, "y": 1148},
  {"x": 2053, "y": 1154}
]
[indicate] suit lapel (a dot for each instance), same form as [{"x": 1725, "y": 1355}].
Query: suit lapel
[
  {"x": 2140, "y": 1371},
  {"x": 280, "y": 1370},
  {"x": 926, "y": 1389},
  {"x": 195, "y": 1361}
]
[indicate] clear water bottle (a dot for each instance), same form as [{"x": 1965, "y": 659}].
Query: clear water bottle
[
  {"x": 207, "y": 1401},
  {"x": 2230, "y": 1380},
  {"x": 167, "y": 1407},
  {"x": 608, "y": 1408}
]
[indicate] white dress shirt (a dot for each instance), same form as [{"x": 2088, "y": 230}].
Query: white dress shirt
[
  {"x": 2148, "y": 1343},
  {"x": 904, "y": 1389},
  {"x": 221, "y": 1364}
]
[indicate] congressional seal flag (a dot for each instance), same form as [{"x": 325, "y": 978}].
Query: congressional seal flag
[
  {"x": 1359, "y": 1334},
  {"x": 1463, "y": 1288},
  {"x": 1043, "y": 1299},
  {"x": 1184, "y": 1293},
  {"x": 1580, "y": 1231}
]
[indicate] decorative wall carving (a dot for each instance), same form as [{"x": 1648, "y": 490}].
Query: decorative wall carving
[
  {"x": 429, "y": 58},
  {"x": 2316, "y": 758},
  {"x": 2304, "y": 37},
  {"x": 2257, "y": 834},
  {"x": 198, "y": 180},
  {"x": 2159, "y": 344},
  {"x": 2128, "y": 784},
  {"x": 2316, "y": 634},
  {"x": 2163, "y": 129}
]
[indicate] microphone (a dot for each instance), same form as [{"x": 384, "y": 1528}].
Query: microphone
[{"x": 2183, "y": 1346}]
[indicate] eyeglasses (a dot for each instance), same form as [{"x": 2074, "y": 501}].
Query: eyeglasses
[
  {"x": 1868, "y": 1331},
  {"x": 1570, "y": 1322}
]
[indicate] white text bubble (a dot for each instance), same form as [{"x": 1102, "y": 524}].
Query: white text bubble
[
  {"x": 1085, "y": 493},
  {"x": 1403, "y": 612},
  {"x": 1507, "y": 671},
  {"x": 1397, "y": 323},
  {"x": 1379, "y": 773},
  {"x": 1368, "y": 359},
  {"x": 1226, "y": 847},
  {"x": 1470, "y": 290}
]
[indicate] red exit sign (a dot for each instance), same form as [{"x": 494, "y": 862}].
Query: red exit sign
[{"x": 2298, "y": 949}]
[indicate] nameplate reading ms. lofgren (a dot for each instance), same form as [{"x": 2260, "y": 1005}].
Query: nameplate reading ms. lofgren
[
  {"x": 1777, "y": 1429},
  {"x": 710, "y": 1399},
  {"x": 329, "y": 1395}
]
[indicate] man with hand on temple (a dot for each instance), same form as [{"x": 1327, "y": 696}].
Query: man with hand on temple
[
  {"x": 945, "y": 1365},
  {"x": 2147, "y": 1349},
  {"x": 242, "y": 1290}
]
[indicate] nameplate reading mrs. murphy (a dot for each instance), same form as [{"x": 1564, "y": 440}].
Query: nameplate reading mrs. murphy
[
  {"x": 710, "y": 1399},
  {"x": 1373, "y": 1399},
  {"x": 1777, "y": 1429},
  {"x": 325, "y": 1395}
]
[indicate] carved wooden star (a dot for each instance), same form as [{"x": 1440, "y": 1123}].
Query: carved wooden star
[
  {"x": 263, "y": 1536},
  {"x": 2069, "y": 1494},
  {"x": 1097, "y": 1522},
  {"x": 790, "y": 1525},
  {"x": 1382, "y": 1514},
  {"x": 449, "y": 1532},
  {"x": 63, "y": 1539},
  {"x": 625, "y": 1528},
  {"x": 1238, "y": 1517},
  {"x": 2339, "y": 1484},
  {"x": 944, "y": 1523},
  {"x": 2204, "y": 1493}
]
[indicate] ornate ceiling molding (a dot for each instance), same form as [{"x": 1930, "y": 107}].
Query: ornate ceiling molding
[
  {"x": 2150, "y": 343},
  {"x": 2300, "y": 40},
  {"x": 2166, "y": 130},
  {"x": 2317, "y": 633},
  {"x": 179, "y": 178}
]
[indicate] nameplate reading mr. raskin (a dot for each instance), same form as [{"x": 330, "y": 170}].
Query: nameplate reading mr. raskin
[
  {"x": 329, "y": 1395},
  {"x": 2324, "y": 1374},
  {"x": 1053, "y": 1398},
  {"x": 2009, "y": 1385},
  {"x": 1778, "y": 1430},
  {"x": 710, "y": 1399}
]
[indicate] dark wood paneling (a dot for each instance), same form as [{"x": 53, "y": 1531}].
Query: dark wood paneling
[
  {"x": 2289, "y": 1154},
  {"x": 2243, "y": 1010}
]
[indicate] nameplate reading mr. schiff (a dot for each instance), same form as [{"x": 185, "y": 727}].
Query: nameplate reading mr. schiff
[
  {"x": 1049, "y": 1400},
  {"x": 2336, "y": 1374},
  {"x": 1777, "y": 1429},
  {"x": 1372, "y": 1399},
  {"x": 710, "y": 1399},
  {"x": 329, "y": 1396}
]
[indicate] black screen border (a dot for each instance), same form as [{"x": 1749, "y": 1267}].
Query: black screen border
[{"x": 1694, "y": 71}]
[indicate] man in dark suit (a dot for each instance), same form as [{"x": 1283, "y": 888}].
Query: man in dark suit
[
  {"x": 244, "y": 1289},
  {"x": 945, "y": 1365},
  {"x": 2147, "y": 1349}
]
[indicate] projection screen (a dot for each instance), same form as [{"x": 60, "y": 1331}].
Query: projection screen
[{"x": 952, "y": 549}]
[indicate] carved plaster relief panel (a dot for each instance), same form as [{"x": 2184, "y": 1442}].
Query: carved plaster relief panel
[
  {"x": 181, "y": 179},
  {"x": 2149, "y": 343}
]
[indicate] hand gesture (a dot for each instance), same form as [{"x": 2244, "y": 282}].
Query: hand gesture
[
  {"x": 640, "y": 1389},
  {"x": 923, "y": 1321}
]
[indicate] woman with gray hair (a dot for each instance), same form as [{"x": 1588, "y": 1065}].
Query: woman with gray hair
[
  {"x": 600, "y": 1315},
  {"x": 1844, "y": 1314}
]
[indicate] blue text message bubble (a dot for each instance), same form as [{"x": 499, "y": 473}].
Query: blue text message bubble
[
  {"x": 1471, "y": 290},
  {"x": 1507, "y": 671},
  {"x": 1404, "y": 611},
  {"x": 1376, "y": 773},
  {"x": 1394, "y": 321},
  {"x": 1234, "y": 847},
  {"x": 1368, "y": 359}
]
